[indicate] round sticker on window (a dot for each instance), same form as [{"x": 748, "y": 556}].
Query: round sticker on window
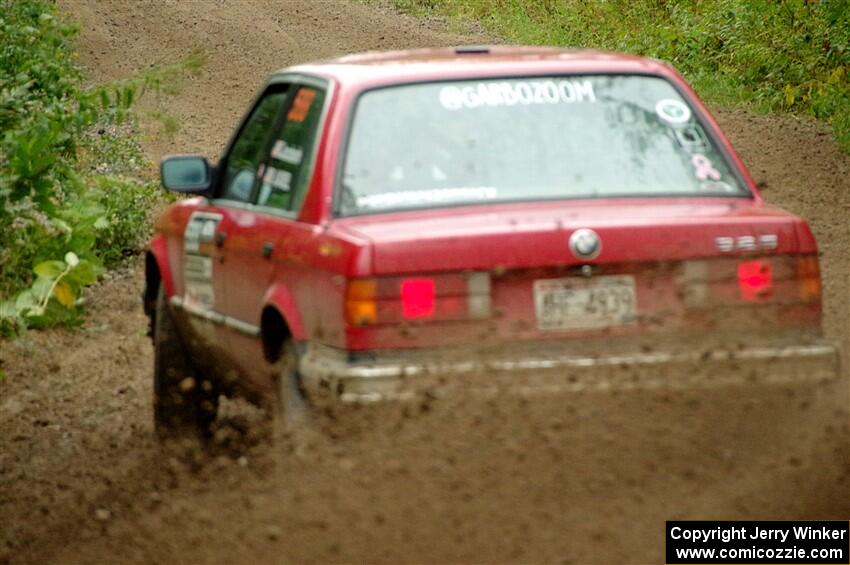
[{"x": 673, "y": 111}]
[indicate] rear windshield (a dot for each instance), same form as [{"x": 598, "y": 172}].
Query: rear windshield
[{"x": 471, "y": 142}]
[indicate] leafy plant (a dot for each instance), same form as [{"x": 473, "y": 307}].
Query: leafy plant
[
  {"x": 68, "y": 157},
  {"x": 127, "y": 207},
  {"x": 53, "y": 296}
]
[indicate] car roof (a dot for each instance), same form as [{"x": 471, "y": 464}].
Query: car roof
[{"x": 364, "y": 69}]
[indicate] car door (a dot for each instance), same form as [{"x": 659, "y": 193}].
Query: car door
[
  {"x": 262, "y": 240},
  {"x": 237, "y": 176}
]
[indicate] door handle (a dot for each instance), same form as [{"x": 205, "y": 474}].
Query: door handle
[
  {"x": 268, "y": 249},
  {"x": 219, "y": 238}
]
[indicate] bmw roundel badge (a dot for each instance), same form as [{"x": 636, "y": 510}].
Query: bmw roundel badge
[{"x": 585, "y": 244}]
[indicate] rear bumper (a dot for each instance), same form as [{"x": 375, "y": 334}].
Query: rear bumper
[{"x": 550, "y": 369}]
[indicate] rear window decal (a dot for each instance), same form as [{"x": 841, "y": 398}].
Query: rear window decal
[
  {"x": 673, "y": 111},
  {"x": 716, "y": 186},
  {"x": 691, "y": 138},
  {"x": 421, "y": 197},
  {"x": 495, "y": 94},
  {"x": 703, "y": 167}
]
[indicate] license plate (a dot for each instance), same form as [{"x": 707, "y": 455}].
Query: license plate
[{"x": 582, "y": 303}]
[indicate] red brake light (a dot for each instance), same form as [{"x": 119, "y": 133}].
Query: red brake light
[
  {"x": 436, "y": 298},
  {"x": 755, "y": 280},
  {"x": 417, "y": 298}
]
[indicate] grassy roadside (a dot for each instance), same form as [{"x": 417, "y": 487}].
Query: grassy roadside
[
  {"x": 773, "y": 55},
  {"x": 73, "y": 198}
]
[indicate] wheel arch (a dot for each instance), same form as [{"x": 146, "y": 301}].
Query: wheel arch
[
  {"x": 280, "y": 320},
  {"x": 157, "y": 273},
  {"x": 152, "y": 282},
  {"x": 157, "y": 268}
]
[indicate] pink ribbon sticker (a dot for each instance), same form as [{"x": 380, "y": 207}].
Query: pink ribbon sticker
[{"x": 703, "y": 167}]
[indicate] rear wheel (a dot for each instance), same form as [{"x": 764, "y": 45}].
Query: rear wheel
[
  {"x": 183, "y": 404},
  {"x": 293, "y": 408}
]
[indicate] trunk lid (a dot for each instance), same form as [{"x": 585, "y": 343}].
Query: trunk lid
[{"x": 523, "y": 236}]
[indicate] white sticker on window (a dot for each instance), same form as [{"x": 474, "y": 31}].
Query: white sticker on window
[
  {"x": 278, "y": 179},
  {"x": 506, "y": 93},
  {"x": 287, "y": 153},
  {"x": 432, "y": 196},
  {"x": 716, "y": 186},
  {"x": 673, "y": 111}
]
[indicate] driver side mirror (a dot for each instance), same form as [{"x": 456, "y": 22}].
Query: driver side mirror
[{"x": 188, "y": 174}]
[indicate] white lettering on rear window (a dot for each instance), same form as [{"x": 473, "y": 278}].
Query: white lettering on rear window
[
  {"x": 506, "y": 93},
  {"x": 421, "y": 197}
]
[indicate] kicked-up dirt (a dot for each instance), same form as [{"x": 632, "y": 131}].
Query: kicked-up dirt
[{"x": 586, "y": 478}]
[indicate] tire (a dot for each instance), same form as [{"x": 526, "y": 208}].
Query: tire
[
  {"x": 183, "y": 404},
  {"x": 294, "y": 412}
]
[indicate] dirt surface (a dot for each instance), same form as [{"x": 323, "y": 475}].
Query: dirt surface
[{"x": 590, "y": 478}]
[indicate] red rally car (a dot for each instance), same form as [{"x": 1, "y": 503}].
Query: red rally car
[{"x": 547, "y": 219}]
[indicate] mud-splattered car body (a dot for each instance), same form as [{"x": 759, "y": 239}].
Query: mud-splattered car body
[{"x": 383, "y": 228}]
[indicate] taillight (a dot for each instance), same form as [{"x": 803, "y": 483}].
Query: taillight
[
  {"x": 755, "y": 280},
  {"x": 417, "y": 298},
  {"x": 808, "y": 275},
  {"x": 778, "y": 279},
  {"x": 361, "y": 307},
  {"x": 441, "y": 297}
]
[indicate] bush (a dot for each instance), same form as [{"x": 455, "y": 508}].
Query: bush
[
  {"x": 61, "y": 218},
  {"x": 128, "y": 205},
  {"x": 786, "y": 55}
]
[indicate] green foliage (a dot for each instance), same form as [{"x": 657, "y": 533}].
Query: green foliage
[
  {"x": 52, "y": 297},
  {"x": 125, "y": 225},
  {"x": 67, "y": 205},
  {"x": 785, "y": 55},
  {"x": 41, "y": 115},
  {"x": 165, "y": 79}
]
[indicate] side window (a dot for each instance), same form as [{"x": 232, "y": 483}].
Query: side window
[
  {"x": 285, "y": 180},
  {"x": 249, "y": 149}
]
